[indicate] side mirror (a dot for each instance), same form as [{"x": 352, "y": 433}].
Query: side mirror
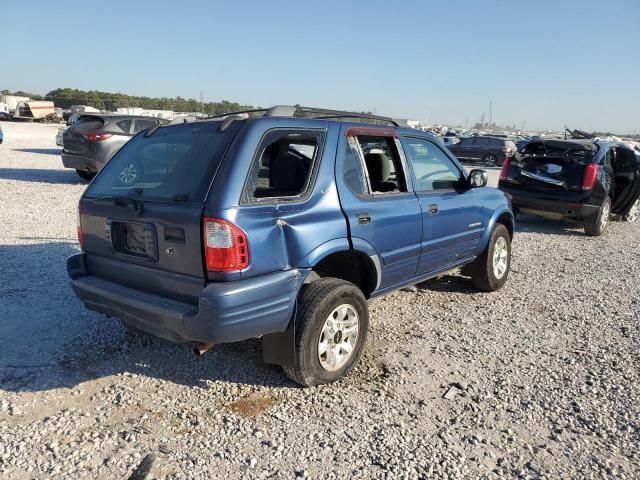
[{"x": 477, "y": 178}]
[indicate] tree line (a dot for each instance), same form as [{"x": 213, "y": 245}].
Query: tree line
[{"x": 66, "y": 97}]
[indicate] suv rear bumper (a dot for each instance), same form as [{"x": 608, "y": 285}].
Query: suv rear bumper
[
  {"x": 80, "y": 162},
  {"x": 554, "y": 209},
  {"x": 226, "y": 311}
]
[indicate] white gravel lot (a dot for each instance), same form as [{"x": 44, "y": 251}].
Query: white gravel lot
[{"x": 545, "y": 372}]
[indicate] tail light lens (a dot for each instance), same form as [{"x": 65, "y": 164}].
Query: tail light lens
[
  {"x": 80, "y": 233},
  {"x": 225, "y": 246},
  {"x": 97, "y": 137},
  {"x": 589, "y": 177},
  {"x": 505, "y": 168}
]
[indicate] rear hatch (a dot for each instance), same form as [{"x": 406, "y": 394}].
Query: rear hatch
[
  {"x": 550, "y": 165},
  {"x": 75, "y": 139},
  {"x": 141, "y": 217}
]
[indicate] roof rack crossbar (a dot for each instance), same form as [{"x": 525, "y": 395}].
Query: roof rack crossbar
[{"x": 307, "y": 112}]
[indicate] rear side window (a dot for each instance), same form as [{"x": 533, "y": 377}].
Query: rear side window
[
  {"x": 481, "y": 142},
  {"x": 124, "y": 125},
  {"x": 283, "y": 166},
  {"x": 143, "y": 124},
  {"x": 175, "y": 163},
  {"x": 382, "y": 163},
  {"x": 352, "y": 171}
]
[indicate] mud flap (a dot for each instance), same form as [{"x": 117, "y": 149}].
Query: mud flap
[{"x": 280, "y": 348}]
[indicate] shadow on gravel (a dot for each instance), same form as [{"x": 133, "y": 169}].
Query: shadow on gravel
[
  {"x": 43, "y": 151},
  {"x": 448, "y": 283},
  {"x": 41, "y": 175},
  {"x": 529, "y": 224},
  {"x": 49, "y": 340}
]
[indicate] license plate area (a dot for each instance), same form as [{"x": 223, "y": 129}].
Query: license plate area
[{"x": 133, "y": 238}]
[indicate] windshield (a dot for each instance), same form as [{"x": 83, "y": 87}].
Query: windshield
[{"x": 174, "y": 163}]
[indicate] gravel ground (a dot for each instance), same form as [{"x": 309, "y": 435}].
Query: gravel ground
[{"x": 538, "y": 380}]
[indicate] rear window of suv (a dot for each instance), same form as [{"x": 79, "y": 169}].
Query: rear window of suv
[{"x": 174, "y": 163}]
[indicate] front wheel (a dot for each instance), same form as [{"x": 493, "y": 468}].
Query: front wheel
[
  {"x": 330, "y": 331},
  {"x": 598, "y": 228},
  {"x": 490, "y": 160},
  {"x": 489, "y": 272}
]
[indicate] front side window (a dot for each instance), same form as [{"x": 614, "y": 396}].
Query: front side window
[
  {"x": 283, "y": 165},
  {"x": 432, "y": 167}
]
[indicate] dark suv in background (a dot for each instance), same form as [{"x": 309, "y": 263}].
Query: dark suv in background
[
  {"x": 574, "y": 180},
  {"x": 490, "y": 151},
  {"x": 94, "y": 139}
]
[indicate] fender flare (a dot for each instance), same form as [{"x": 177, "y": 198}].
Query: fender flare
[
  {"x": 492, "y": 224},
  {"x": 357, "y": 245}
]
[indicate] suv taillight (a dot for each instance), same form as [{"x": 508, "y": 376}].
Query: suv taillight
[
  {"x": 225, "y": 246},
  {"x": 80, "y": 233},
  {"x": 97, "y": 137},
  {"x": 505, "y": 168},
  {"x": 589, "y": 177}
]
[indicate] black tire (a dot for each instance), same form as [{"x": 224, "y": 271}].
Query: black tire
[
  {"x": 86, "y": 175},
  {"x": 316, "y": 302},
  {"x": 598, "y": 228},
  {"x": 482, "y": 271},
  {"x": 489, "y": 160}
]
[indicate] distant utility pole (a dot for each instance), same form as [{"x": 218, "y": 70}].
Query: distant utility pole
[
  {"x": 490, "y": 115},
  {"x": 201, "y": 103},
  {"x": 482, "y": 120}
]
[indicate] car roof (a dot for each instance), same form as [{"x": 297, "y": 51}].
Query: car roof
[{"x": 109, "y": 116}]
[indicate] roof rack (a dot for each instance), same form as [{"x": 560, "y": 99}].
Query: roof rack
[{"x": 309, "y": 112}]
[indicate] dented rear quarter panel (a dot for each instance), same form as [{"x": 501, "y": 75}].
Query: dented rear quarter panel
[{"x": 281, "y": 235}]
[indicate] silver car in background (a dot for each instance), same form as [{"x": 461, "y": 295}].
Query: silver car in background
[{"x": 91, "y": 142}]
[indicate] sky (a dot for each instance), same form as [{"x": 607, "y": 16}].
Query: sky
[{"x": 541, "y": 64}]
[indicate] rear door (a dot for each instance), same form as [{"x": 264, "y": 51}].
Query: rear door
[
  {"x": 452, "y": 221},
  {"x": 141, "y": 217},
  {"x": 626, "y": 180},
  {"x": 378, "y": 200}
]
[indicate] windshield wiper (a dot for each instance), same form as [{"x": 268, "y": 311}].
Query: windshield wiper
[{"x": 120, "y": 201}]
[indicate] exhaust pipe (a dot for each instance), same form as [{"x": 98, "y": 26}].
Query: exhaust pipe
[
  {"x": 570, "y": 211},
  {"x": 202, "y": 348}
]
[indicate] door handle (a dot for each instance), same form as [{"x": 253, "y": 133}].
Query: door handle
[
  {"x": 363, "y": 218},
  {"x": 433, "y": 209}
]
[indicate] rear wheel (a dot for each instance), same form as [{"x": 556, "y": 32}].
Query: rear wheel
[
  {"x": 330, "y": 331},
  {"x": 489, "y": 272},
  {"x": 86, "y": 175},
  {"x": 598, "y": 228},
  {"x": 634, "y": 212},
  {"x": 490, "y": 160}
]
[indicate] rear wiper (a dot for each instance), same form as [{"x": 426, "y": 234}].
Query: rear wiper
[
  {"x": 180, "y": 197},
  {"x": 120, "y": 201}
]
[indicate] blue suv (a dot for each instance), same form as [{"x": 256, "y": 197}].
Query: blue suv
[{"x": 281, "y": 224}]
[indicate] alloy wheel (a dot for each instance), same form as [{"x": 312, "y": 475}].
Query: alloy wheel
[
  {"x": 338, "y": 337},
  {"x": 500, "y": 257}
]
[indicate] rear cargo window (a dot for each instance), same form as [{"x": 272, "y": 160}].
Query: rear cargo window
[
  {"x": 88, "y": 124},
  {"x": 174, "y": 163}
]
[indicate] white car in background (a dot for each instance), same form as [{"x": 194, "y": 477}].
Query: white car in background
[{"x": 72, "y": 119}]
